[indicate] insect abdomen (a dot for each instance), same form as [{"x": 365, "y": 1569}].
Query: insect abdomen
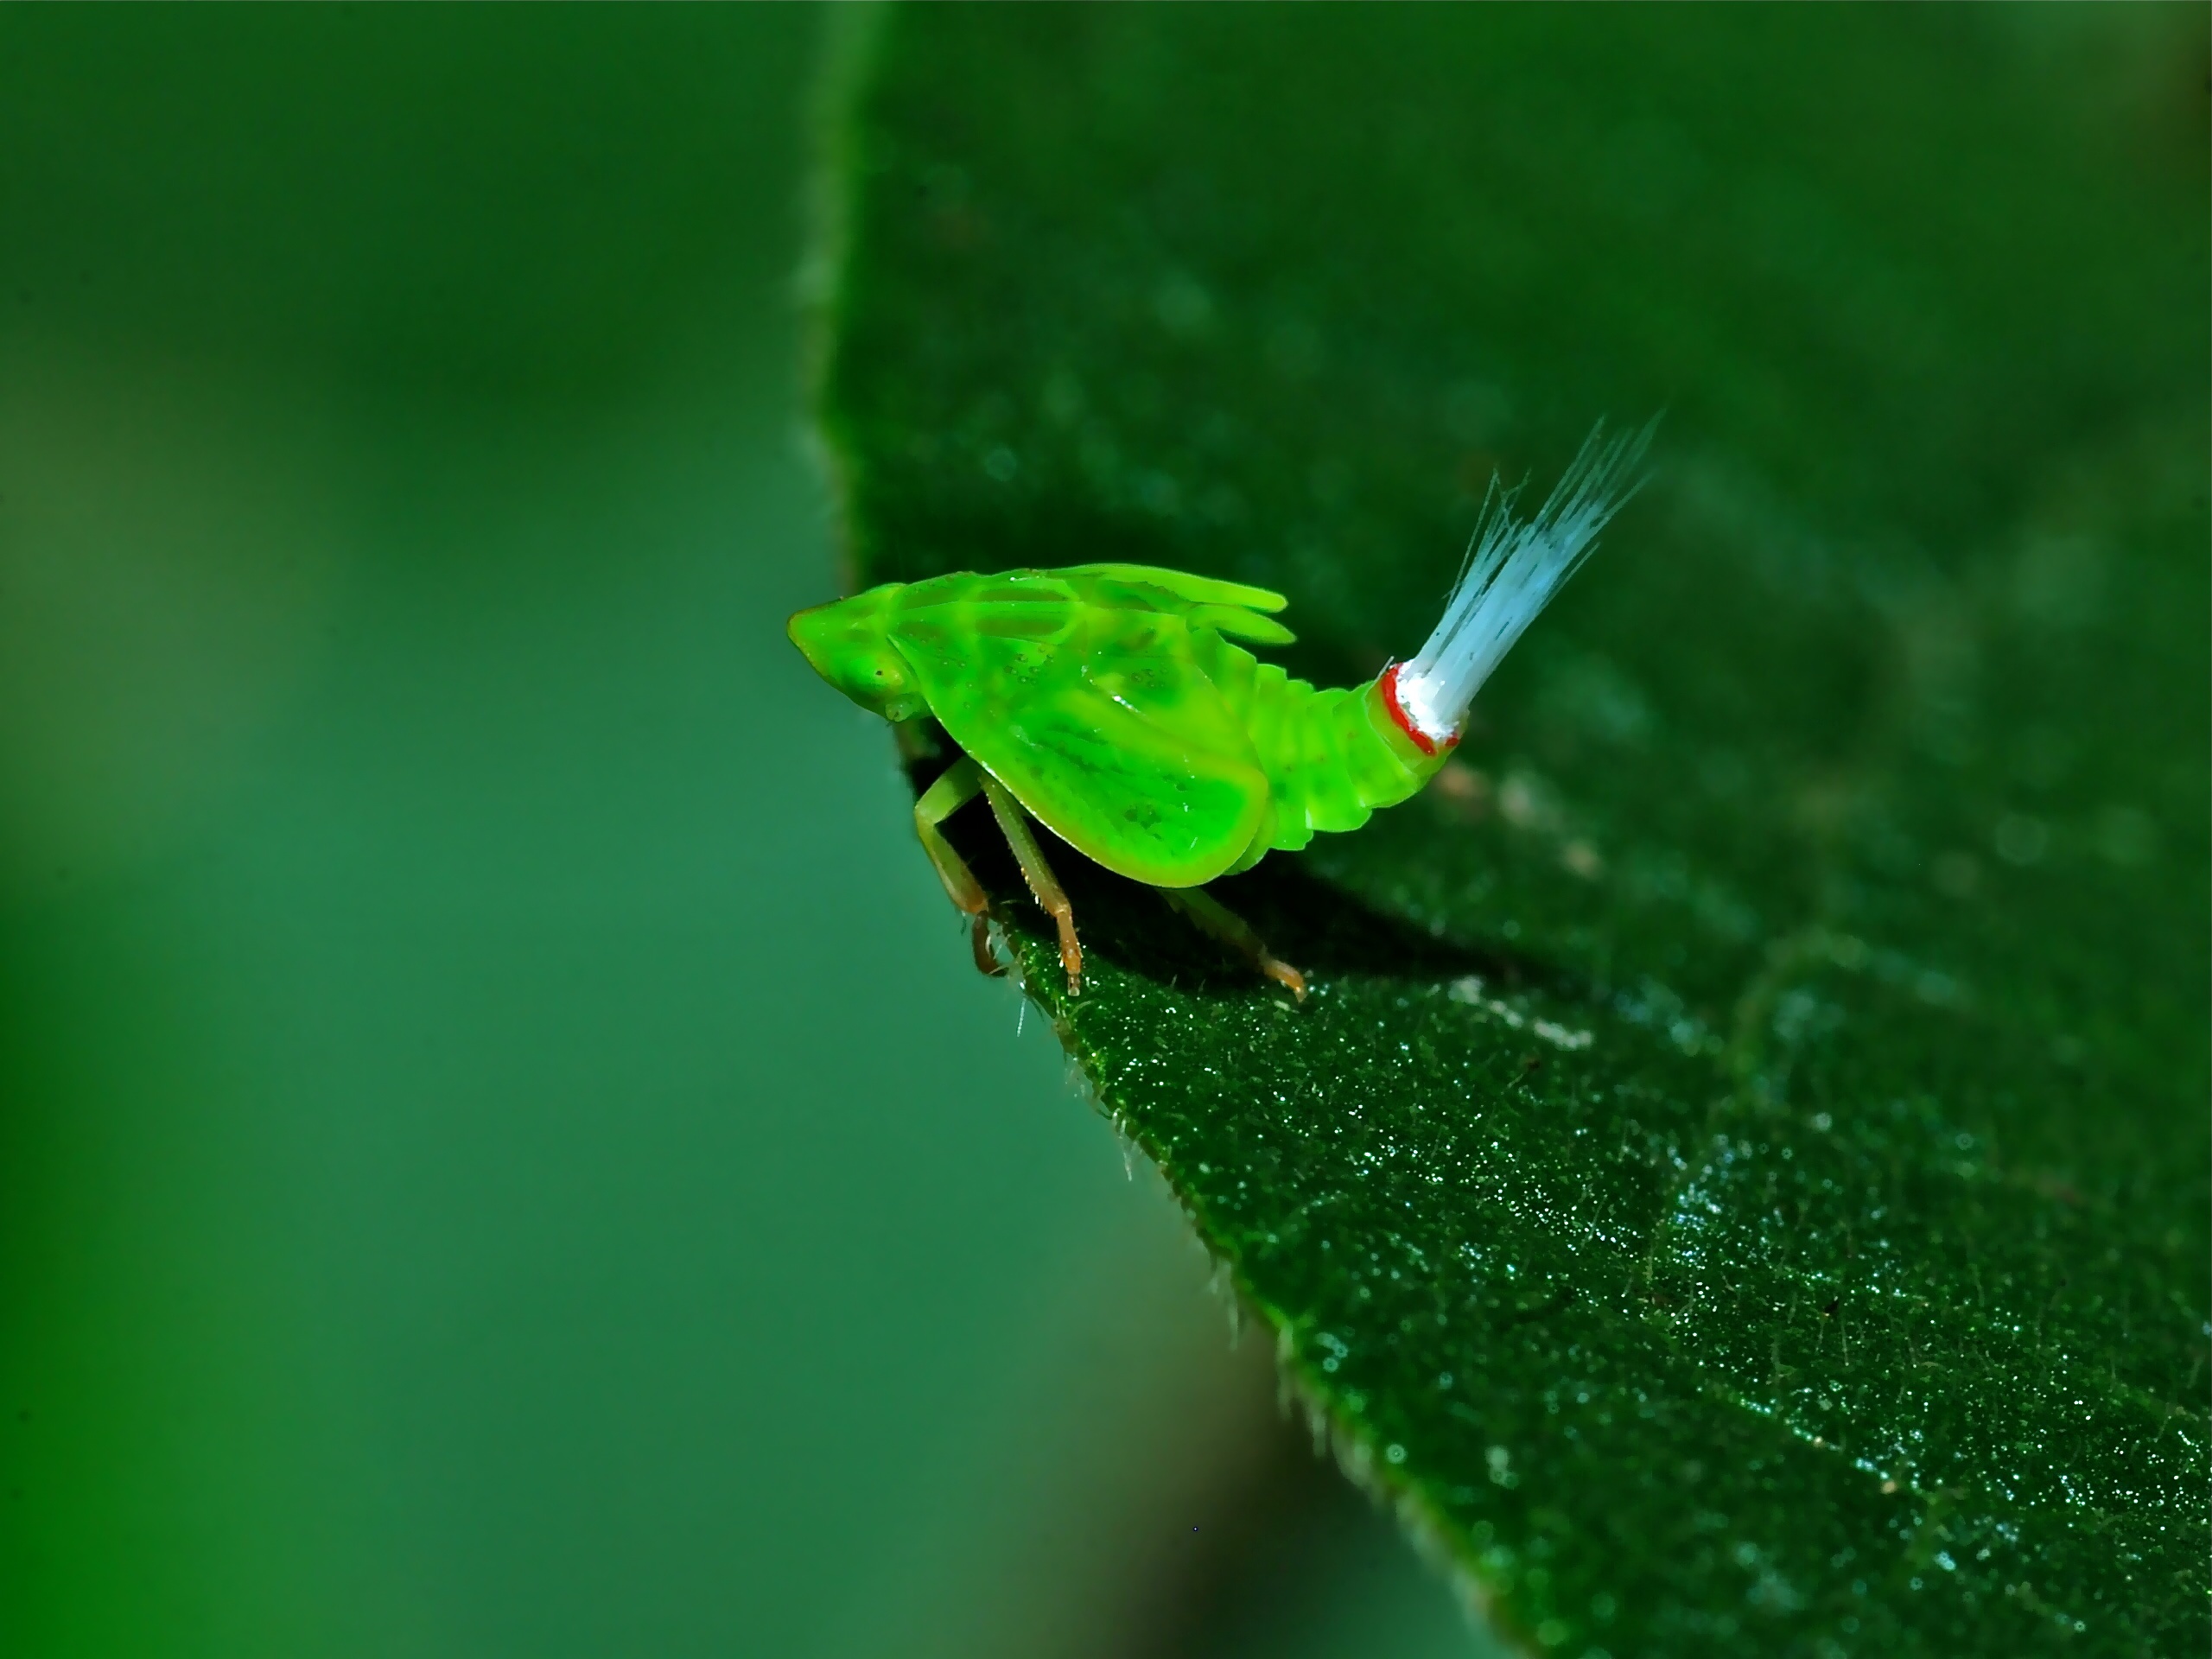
[{"x": 1332, "y": 757}]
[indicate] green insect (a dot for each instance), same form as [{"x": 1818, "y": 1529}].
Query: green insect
[{"x": 1114, "y": 704}]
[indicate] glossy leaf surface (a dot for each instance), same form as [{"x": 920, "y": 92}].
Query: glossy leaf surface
[{"x": 1740, "y": 1179}]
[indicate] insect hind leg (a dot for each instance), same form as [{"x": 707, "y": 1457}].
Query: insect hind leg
[
  {"x": 961, "y": 783},
  {"x": 1215, "y": 918}
]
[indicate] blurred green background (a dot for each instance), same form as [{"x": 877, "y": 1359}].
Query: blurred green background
[{"x": 501, "y": 1151}]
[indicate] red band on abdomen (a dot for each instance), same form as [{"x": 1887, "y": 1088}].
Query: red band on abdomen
[{"x": 1422, "y": 740}]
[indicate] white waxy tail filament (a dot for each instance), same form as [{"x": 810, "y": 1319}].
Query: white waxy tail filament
[{"x": 1513, "y": 568}]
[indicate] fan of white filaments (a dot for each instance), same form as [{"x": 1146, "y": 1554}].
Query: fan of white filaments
[{"x": 1513, "y": 568}]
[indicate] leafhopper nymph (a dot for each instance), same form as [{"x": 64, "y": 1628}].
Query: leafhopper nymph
[{"x": 1114, "y": 704}]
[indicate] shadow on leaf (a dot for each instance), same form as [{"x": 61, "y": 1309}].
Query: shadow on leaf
[{"x": 1320, "y": 928}]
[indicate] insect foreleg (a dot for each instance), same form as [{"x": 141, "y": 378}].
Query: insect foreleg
[
  {"x": 1215, "y": 918},
  {"x": 1039, "y": 875},
  {"x": 959, "y": 784}
]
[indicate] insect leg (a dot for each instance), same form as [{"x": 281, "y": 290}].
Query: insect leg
[
  {"x": 1215, "y": 918},
  {"x": 954, "y": 790},
  {"x": 1039, "y": 875}
]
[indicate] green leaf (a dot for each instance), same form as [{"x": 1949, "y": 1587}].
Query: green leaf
[{"x": 1740, "y": 1180}]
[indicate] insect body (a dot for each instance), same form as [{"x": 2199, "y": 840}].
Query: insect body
[{"x": 1116, "y": 704}]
